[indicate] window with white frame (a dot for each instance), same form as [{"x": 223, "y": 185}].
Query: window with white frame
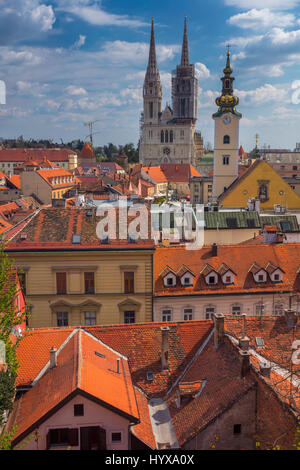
[
  {"x": 170, "y": 280},
  {"x": 187, "y": 279},
  {"x": 166, "y": 314},
  {"x": 89, "y": 318},
  {"x": 188, "y": 313},
  {"x": 259, "y": 308},
  {"x": 209, "y": 311},
  {"x": 278, "y": 309},
  {"x": 236, "y": 309},
  {"x": 211, "y": 279}
]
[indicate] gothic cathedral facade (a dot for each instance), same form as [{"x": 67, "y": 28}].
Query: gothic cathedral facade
[
  {"x": 226, "y": 140},
  {"x": 169, "y": 136}
]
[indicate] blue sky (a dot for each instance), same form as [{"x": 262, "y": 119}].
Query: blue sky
[{"x": 66, "y": 62}]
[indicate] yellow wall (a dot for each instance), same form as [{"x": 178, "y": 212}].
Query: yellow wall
[
  {"x": 110, "y": 301},
  {"x": 248, "y": 188}
]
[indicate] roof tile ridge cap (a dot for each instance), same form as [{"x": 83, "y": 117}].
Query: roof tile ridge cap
[
  {"x": 190, "y": 363},
  {"x": 115, "y": 351},
  {"x": 47, "y": 365},
  {"x": 30, "y": 219}
]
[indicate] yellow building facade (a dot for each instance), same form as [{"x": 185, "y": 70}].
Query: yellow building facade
[
  {"x": 262, "y": 182},
  {"x": 90, "y": 284}
]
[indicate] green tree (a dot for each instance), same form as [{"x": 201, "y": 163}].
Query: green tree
[{"x": 10, "y": 317}]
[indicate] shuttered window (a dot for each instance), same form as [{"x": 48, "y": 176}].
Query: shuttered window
[{"x": 61, "y": 283}]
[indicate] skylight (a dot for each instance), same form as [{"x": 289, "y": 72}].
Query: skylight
[
  {"x": 260, "y": 343},
  {"x": 76, "y": 239}
]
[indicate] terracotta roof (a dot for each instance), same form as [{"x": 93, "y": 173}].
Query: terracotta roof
[
  {"x": 22, "y": 155},
  {"x": 16, "y": 181},
  {"x": 87, "y": 153},
  {"x": 178, "y": 172},
  {"x": 155, "y": 174},
  {"x": 79, "y": 369},
  {"x": 50, "y": 176},
  {"x": 239, "y": 258},
  {"x": 53, "y": 229},
  {"x": 206, "y": 390},
  {"x": 221, "y": 386}
]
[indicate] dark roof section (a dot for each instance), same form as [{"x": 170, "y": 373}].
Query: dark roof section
[{"x": 223, "y": 220}]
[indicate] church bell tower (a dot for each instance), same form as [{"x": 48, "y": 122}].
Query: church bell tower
[{"x": 226, "y": 141}]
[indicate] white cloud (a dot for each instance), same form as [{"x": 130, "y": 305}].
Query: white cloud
[
  {"x": 43, "y": 15},
  {"x": 278, "y": 36},
  {"x": 25, "y": 19},
  {"x": 137, "y": 52},
  {"x": 265, "y": 94},
  {"x": 244, "y": 41},
  {"x": 80, "y": 41},
  {"x": 96, "y": 16},
  {"x": 12, "y": 57},
  {"x": 262, "y": 19},
  {"x": 133, "y": 95},
  {"x": 201, "y": 71},
  {"x": 76, "y": 91},
  {"x": 271, "y": 4}
]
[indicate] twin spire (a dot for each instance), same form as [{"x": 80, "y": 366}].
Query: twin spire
[
  {"x": 185, "y": 61},
  {"x": 152, "y": 68}
]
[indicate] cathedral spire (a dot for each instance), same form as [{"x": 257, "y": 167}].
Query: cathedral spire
[
  {"x": 152, "y": 69},
  {"x": 185, "y": 62}
]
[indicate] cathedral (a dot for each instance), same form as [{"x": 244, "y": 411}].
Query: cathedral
[{"x": 169, "y": 136}]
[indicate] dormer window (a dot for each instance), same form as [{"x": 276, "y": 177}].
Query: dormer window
[
  {"x": 169, "y": 277},
  {"x": 212, "y": 280},
  {"x": 170, "y": 280},
  {"x": 275, "y": 273},
  {"x": 259, "y": 274},
  {"x": 186, "y": 276},
  {"x": 210, "y": 275}
]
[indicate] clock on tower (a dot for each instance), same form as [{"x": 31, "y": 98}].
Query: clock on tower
[{"x": 226, "y": 143}]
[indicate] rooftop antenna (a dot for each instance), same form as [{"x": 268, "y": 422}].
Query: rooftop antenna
[{"x": 90, "y": 125}]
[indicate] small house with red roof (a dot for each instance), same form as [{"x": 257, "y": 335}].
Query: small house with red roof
[{"x": 222, "y": 384}]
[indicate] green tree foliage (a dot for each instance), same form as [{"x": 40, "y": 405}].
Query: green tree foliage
[{"x": 10, "y": 317}]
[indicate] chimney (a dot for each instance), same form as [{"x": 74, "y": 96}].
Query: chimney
[
  {"x": 214, "y": 249},
  {"x": 53, "y": 361},
  {"x": 265, "y": 369},
  {"x": 290, "y": 318},
  {"x": 244, "y": 343},
  {"x": 245, "y": 363},
  {"x": 219, "y": 329},
  {"x": 165, "y": 347}
]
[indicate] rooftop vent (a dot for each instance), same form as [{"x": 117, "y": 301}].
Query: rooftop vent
[
  {"x": 260, "y": 343},
  {"x": 99, "y": 355},
  {"x": 76, "y": 239},
  {"x": 23, "y": 236},
  {"x": 150, "y": 376}
]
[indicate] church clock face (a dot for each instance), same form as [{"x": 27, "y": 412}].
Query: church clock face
[{"x": 226, "y": 120}]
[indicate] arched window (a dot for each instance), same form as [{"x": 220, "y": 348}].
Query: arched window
[
  {"x": 166, "y": 136},
  {"x": 162, "y": 137},
  {"x": 171, "y": 136},
  {"x": 226, "y": 139}
]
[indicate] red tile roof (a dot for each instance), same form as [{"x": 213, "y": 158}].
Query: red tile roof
[
  {"x": 238, "y": 258},
  {"x": 22, "y": 155},
  {"x": 50, "y": 176},
  {"x": 78, "y": 369},
  {"x": 87, "y": 153},
  {"x": 53, "y": 229},
  {"x": 208, "y": 378}
]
